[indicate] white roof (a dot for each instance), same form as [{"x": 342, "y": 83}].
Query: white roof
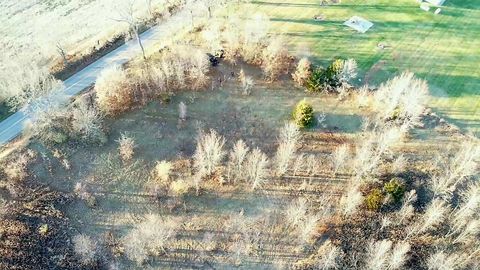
[
  {"x": 436, "y": 2},
  {"x": 359, "y": 24}
]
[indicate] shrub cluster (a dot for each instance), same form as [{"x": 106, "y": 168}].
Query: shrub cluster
[
  {"x": 55, "y": 124},
  {"x": 339, "y": 73},
  {"x": 327, "y": 79},
  {"x": 118, "y": 89}
]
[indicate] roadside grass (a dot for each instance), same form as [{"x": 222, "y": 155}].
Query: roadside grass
[
  {"x": 444, "y": 49},
  {"x": 5, "y": 111}
]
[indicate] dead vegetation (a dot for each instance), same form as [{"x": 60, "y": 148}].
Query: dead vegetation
[{"x": 306, "y": 197}]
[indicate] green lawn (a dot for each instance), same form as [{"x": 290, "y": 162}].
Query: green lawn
[{"x": 444, "y": 49}]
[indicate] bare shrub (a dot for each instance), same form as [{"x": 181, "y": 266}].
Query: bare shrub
[
  {"x": 85, "y": 248},
  {"x": 303, "y": 71},
  {"x": 213, "y": 36},
  {"x": 16, "y": 168},
  {"x": 232, "y": 39},
  {"x": 179, "y": 188},
  {"x": 469, "y": 204},
  {"x": 113, "y": 91},
  {"x": 87, "y": 122},
  {"x": 49, "y": 118},
  {"x": 237, "y": 161},
  {"x": 209, "y": 153},
  {"x": 126, "y": 146},
  {"x": 162, "y": 171},
  {"x": 464, "y": 222},
  {"x": 256, "y": 168},
  {"x": 29, "y": 89},
  {"x": 148, "y": 237},
  {"x": 362, "y": 97}
]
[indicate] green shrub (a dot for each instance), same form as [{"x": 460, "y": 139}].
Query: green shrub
[
  {"x": 303, "y": 114},
  {"x": 396, "y": 188},
  {"x": 333, "y": 71},
  {"x": 374, "y": 199},
  {"x": 316, "y": 81}
]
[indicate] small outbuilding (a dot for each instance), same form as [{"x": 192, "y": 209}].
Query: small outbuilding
[{"x": 358, "y": 23}]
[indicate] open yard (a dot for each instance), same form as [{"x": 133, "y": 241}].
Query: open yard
[
  {"x": 226, "y": 225},
  {"x": 444, "y": 49}
]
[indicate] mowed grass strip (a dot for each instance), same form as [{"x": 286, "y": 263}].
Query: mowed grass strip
[{"x": 444, "y": 49}]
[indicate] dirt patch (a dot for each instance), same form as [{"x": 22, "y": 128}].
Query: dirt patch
[{"x": 374, "y": 70}]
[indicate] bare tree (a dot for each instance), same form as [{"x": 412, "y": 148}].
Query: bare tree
[
  {"x": 87, "y": 122},
  {"x": 351, "y": 200},
  {"x": 308, "y": 227},
  {"x": 275, "y": 59},
  {"x": 399, "y": 256},
  {"x": 113, "y": 94},
  {"x": 209, "y": 153},
  {"x": 402, "y": 98},
  {"x": 256, "y": 168},
  {"x": 182, "y": 111},
  {"x": 237, "y": 159},
  {"x": 340, "y": 157},
  {"x": 407, "y": 210},
  {"x": 434, "y": 214},
  {"x": 378, "y": 254},
  {"x": 328, "y": 256},
  {"x": 303, "y": 71},
  {"x": 288, "y": 140},
  {"x": 148, "y": 237},
  {"x": 348, "y": 72},
  {"x": 463, "y": 164},
  {"x": 296, "y": 211},
  {"x": 127, "y": 14},
  {"x": 441, "y": 260}
]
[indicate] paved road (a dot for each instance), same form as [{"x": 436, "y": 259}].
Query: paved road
[{"x": 14, "y": 125}]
